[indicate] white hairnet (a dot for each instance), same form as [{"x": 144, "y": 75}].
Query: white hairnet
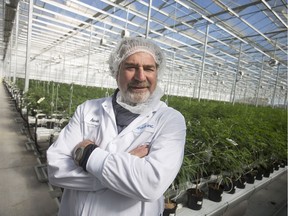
[{"x": 130, "y": 45}]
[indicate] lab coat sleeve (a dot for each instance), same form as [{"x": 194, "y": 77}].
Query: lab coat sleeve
[
  {"x": 62, "y": 170},
  {"x": 147, "y": 178}
]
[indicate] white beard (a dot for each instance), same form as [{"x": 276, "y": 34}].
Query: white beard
[
  {"x": 146, "y": 100},
  {"x": 136, "y": 98}
]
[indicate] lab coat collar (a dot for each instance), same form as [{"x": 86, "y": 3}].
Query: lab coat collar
[
  {"x": 141, "y": 119},
  {"x": 108, "y": 107}
]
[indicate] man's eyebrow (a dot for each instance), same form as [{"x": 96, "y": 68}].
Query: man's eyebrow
[
  {"x": 130, "y": 63},
  {"x": 137, "y": 65}
]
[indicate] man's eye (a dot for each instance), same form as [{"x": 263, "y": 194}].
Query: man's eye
[
  {"x": 150, "y": 69},
  {"x": 130, "y": 68}
]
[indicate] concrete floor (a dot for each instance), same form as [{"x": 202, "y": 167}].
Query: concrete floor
[
  {"x": 271, "y": 200},
  {"x": 21, "y": 194}
]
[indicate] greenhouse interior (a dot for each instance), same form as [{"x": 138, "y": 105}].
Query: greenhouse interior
[{"x": 226, "y": 73}]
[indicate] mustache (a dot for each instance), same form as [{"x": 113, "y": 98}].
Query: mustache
[{"x": 139, "y": 84}]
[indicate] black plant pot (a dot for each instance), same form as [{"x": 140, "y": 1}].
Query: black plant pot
[
  {"x": 194, "y": 200},
  {"x": 259, "y": 175},
  {"x": 215, "y": 192},
  {"x": 170, "y": 211},
  {"x": 283, "y": 164},
  {"x": 266, "y": 173},
  {"x": 271, "y": 168},
  {"x": 250, "y": 178},
  {"x": 241, "y": 183},
  {"x": 276, "y": 165},
  {"x": 230, "y": 187}
]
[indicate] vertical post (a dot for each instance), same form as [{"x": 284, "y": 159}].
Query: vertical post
[
  {"x": 89, "y": 52},
  {"x": 203, "y": 61},
  {"x": 28, "y": 45},
  {"x": 275, "y": 86},
  {"x": 179, "y": 79},
  {"x": 52, "y": 97},
  {"x": 171, "y": 76},
  {"x": 64, "y": 63},
  {"x": 236, "y": 75},
  {"x": 56, "y": 101},
  {"x": 10, "y": 65},
  {"x": 260, "y": 81},
  {"x": 217, "y": 84},
  {"x": 16, "y": 42},
  {"x": 71, "y": 97},
  {"x": 148, "y": 19},
  {"x": 285, "y": 99}
]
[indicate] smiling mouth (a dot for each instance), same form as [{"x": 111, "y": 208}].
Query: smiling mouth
[{"x": 138, "y": 88}]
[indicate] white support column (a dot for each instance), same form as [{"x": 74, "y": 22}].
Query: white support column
[
  {"x": 16, "y": 43},
  {"x": 260, "y": 81},
  {"x": 275, "y": 86},
  {"x": 203, "y": 61},
  {"x": 236, "y": 75},
  {"x": 28, "y": 46},
  {"x": 148, "y": 19},
  {"x": 89, "y": 53}
]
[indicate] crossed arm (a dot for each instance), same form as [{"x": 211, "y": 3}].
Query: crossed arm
[{"x": 140, "y": 151}]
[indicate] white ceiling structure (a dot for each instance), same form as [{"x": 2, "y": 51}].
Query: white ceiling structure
[{"x": 216, "y": 49}]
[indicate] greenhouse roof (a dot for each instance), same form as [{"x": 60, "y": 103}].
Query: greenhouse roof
[{"x": 210, "y": 45}]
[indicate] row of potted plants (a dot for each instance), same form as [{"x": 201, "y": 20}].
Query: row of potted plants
[
  {"x": 212, "y": 188},
  {"x": 229, "y": 142}
]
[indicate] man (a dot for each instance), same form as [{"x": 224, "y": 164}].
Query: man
[{"x": 118, "y": 155}]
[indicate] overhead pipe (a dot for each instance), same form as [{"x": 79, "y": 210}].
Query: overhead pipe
[{"x": 275, "y": 14}]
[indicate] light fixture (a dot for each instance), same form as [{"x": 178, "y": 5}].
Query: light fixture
[
  {"x": 273, "y": 62},
  {"x": 125, "y": 33},
  {"x": 103, "y": 41}
]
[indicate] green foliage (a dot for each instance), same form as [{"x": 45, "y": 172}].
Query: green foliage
[
  {"x": 238, "y": 137},
  {"x": 222, "y": 138},
  {"x": 59, "y": 97}
]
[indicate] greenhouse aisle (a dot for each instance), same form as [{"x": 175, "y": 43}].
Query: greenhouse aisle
[
  {"x": 270, "y": 200},
  {"x": 21, "y": 192}
]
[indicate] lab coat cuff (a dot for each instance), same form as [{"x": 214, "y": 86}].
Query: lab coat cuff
[{"x": 96, "y": 162}]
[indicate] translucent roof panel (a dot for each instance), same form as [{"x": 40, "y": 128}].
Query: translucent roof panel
[{"x": 236, "y": 43}]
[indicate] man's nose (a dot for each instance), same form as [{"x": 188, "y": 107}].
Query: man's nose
[{"x": 140, "y": 74}]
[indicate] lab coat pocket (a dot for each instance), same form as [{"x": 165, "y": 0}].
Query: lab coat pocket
[
  {"x": 91, "y": 128},
  {"x": 144, "y": 134}
]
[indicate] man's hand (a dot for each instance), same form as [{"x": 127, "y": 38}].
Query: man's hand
[
  {"x": 140, "y": 151},
  {"x": 84, "y": 143}
]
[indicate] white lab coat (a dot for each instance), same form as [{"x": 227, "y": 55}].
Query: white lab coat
[{"x": 117, "y": 183}]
